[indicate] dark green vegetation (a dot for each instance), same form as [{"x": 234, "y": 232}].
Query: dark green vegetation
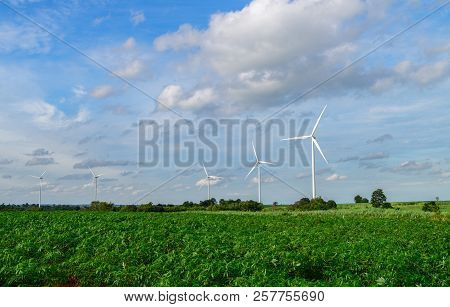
[
  {"x": 354, "y": 245},
  {"x": 430, "y": 207},
  {"x": 305, "y": 204}
]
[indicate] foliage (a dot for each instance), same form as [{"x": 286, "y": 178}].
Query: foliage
[
  {"x": 430, "y": 206},
  {"x": 222, "y": 249},
  {"x": 236, "y": 205},
  {"x": 378, "y": 198},
  {"x": 386, "y": 205},
  {"x": 101, "y": 206},
  {"x": 317, "y": 203},
  {"x": 361, "y": 200}
]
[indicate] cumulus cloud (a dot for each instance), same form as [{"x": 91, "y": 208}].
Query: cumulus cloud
[
  {"x": 264, "y": 179},
  {"x": 132, "y": 69},
  {"x": 335, "y": 177},
  {"x": 137, "y": 17},
  {"x": 262, "y": 68},
  {"x": 40, "y": 161},
  {"x": 204, "y": 182},
  {"x": 100, "y": 163},
  {"x": 47, "y": 115},
  {"x": 174, "y": 96},
  {"x": 319, "y": 172},
  {"x": 102, "y": 91}
]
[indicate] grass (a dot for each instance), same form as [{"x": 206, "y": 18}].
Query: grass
[{"x": 354, "y": 246}]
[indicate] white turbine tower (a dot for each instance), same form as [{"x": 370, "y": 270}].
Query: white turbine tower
[
  {"x": 257, "y": 165},
  {"x": 95, "y": 180},
  {"x": 209, "y": 178},
  {"x": 41, "y": 178},
  {"x": 315, "y": 144}
]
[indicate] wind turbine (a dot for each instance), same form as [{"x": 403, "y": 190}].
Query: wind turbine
[
  {"x": 95, "y": 179},
  {"x": 208, "y": 178},
  {"x": 40, "y": 186},
  {"x": 257, "y": 165},
  {"x": 315, "y": 144}
]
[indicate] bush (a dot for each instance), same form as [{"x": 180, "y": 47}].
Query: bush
[
  {"x": 365, "y": 201},
  {"x": 430, "y": 206},
  {"x": 318, "y": 203},
  {"x": 236, "y": 205},
  {"x": 387, "y": 206},
  {"x": 128, "y": 208},
  {"x": 101, "y": 206},
  {"x": 378, "y": 198},
  {"x": 358, "y": 199}
]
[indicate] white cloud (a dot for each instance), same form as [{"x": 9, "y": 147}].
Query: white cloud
[
  {"x": 49, "y": 116},
  {"x": 102, "y": 91},
  {"x": 23, "y": 37},
  {"x": 79, "y": 91},
  {"x": 185, "y": 37},
  {"x": 137, "y": 17},
  {"x": 130, "y": 43},
  {"x": 204, "y": 182},
  {"x": 132, "y": 69},
  {"x": 174, "y": 96},
  {"x": 335, "y": 177},
  {"x": 430, "y": 72}
]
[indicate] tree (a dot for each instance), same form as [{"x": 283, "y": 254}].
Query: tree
[
  {"x": 358, "y": 199},
  {"x": 365, "y": 201},
  {"x": 378, "y": 198},
  {"x": 430, "y": 207}
]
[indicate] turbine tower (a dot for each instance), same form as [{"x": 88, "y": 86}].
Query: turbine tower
[
  {"x": 40, "y": 186},
  {"x": 315, "y": 144},
  {"x": 95, "y": 180},
  {"x": 208, "y": 178},
  {"x": 257, "y": 165}
]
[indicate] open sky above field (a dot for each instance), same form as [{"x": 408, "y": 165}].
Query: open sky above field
[{"x": 387, "y": 122}]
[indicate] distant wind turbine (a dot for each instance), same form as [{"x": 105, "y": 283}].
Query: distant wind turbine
[
  {"x": 40, "y": 186},
  {"x": 95, "y": 180},
  {"x": 315, "y": 144},
  {"x": 257, "y": 165},
  {"x": 208, "y": 178}
]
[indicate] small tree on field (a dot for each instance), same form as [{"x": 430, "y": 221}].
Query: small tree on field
[
  {"x": 378, "y": 198},
  {"x": 358, "y": 199},
  {"x": 430, "y": 207},
  {"x": 365, "y": 201}
]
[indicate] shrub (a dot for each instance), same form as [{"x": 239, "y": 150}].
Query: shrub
[
  {"x": 302, "y": 204},
  {"x": 101, "y": 206},
  {"x": 318, "y": 203},
  {"x": 430, "y": 206},
  {"x": 378, "y": 198},
  {"x": 358, "y": 199},
  {"x": 129, "y": 208},
  {"x": 387, "y": 206},
  {"x": 236, "y": 205},
  {"x": 365, "y": 201}
]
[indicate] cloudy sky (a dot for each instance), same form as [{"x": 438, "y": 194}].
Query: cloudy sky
[{"x": 387, "y": 123}]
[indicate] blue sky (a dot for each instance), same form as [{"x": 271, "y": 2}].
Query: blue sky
[{"x": 387, "y": 122}]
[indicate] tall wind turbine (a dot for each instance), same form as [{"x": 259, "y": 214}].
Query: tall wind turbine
[
  {"x": 208, "y": 178},
  {"x": 95, "y": 179},
  {"x": 41, "y": 178},
  {"x": 257, "y": 165},
  {"x": 315, "y": 144}
]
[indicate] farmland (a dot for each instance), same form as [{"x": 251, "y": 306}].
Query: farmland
[{"x": 352, "y": 246}]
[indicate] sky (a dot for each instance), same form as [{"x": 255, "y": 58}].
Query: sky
[{"x": 72, "y": 97}]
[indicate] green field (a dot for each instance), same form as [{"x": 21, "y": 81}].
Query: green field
[{"x": 350, "y": 246}]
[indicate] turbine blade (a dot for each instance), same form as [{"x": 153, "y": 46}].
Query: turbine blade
[
  {"x": 254, "y": 151},
  {"x": 254, "y": 166},
  {"x": 265, "y": 162},
  {"x": 204, "y": 168},
  {"x": 215, "y": 177},
  {"x": 99, "y": 175},
  {"x": 318, "y": 120},
  {"x": 320, "y": 150},
  {"x": 304, "y": 137},
  {"x": 35, "y": 177},
  {"x": 43, "y": 173},
  {"x": 93, "y": 174}
]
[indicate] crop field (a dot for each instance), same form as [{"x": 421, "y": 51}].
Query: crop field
[{"x": 344, "y": 247}]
